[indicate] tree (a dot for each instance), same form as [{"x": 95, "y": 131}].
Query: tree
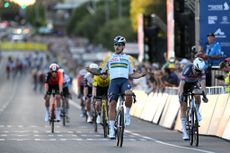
[
  {"x": 147, "y": 7},
  {"x": 113, "y": 28}
]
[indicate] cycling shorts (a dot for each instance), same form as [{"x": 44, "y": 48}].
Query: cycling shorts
[
  {"x": 53, "y": 89},
  {"x": 102, "y": 91},
  {"x": 118, "y": 86}
]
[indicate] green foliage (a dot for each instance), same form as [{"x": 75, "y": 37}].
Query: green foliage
[
  {"x": 95, "y": 27},
  {"x": 36, "y": 20},
  {"x": 113, "y": 28}
]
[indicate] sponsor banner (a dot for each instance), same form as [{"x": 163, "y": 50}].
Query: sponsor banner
[
  {"x": 23, "y": 46},
  {"x": 215, "y": 18}
]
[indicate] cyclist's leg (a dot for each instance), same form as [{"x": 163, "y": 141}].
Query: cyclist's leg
[
  {"x": 47, "y": 103},
  {"x": 183, "y": 109},
  {"x": 66, "y": 95},
  {"x": 113, "y": 91},
  {"x": 198, "y": 100},
  {"x": 88, "y": 105},
  {"x": 58, "y": 98},
  {"x": 126, "y": 88}
]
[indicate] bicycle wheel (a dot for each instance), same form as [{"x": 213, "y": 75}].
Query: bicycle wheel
[
  {"x": 95, "y": 121},
  {"x": 52, "y": 118},
  {"x": 120, "y": 127},
  {"x": 196, "y": 129},
  {"x": 192, "y": 127},
  {"x": 188, "y": 123},
  {"x": 63, "y": 111},
  {"x": 104, "y": 121}
]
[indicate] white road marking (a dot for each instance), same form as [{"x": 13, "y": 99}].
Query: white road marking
[{"x": 149, "y": 138}]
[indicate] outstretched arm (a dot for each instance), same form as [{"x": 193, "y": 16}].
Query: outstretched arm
[{"x": 137, "y": 75}]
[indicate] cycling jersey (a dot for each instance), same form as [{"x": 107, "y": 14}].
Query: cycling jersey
[
  {"x": 189, "y": 76},
  {"x": 131, "y": 59},
  {"x": 226, "y": 81},
  {"x": 98, "y": 81},
  {"x": 119, "y": 66},
  {"x": 66, "y": 80},
  {"x": 88, "y": 79},
  {"x": 58, "y": 80}
]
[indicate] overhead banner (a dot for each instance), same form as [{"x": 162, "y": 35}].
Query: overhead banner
[{"x": 215, "y": 18}]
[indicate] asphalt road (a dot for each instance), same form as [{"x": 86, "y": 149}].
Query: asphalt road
[{"x": 23, "y": 130}]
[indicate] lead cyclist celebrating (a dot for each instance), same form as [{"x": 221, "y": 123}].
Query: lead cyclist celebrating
[{"x": 120, "y": 70}]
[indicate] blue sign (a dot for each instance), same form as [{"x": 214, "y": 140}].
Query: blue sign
[{"x": 215, "y": 18}]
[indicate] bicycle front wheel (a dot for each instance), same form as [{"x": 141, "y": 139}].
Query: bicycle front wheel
[
  {"x": 52, "y": 119},
  {"x": 196, "y": 129},
  {"x": 104, "y": 121},
  {"x": 120, "y": 127}
]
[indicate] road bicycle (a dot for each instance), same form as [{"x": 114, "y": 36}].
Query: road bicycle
[
  {"x": 52, "y": 111},
  {"x": 120, "y": 119},
  {"x": 103, "y": 114},
  {"x": 63, "y": 110},
  {"x": 192, "y": 124}
]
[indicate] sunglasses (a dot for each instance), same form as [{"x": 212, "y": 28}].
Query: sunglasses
[{"x": 119, "y": 44}]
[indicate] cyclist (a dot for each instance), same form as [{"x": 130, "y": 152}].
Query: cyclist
[
  {"x": 54, "y": 82},
  {"x": 80, "y": 85},
  {"x": 100, "y": 89},
  {"x": 192, "y": 75},
  {"x": 88, "y": 91},
  {"x": 66, "y": 92},
  {"x": 120, "y": 70}
]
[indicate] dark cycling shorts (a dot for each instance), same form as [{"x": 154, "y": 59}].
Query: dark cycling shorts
[
  {"x": 53, "y": 89},
  {"x": 188, "y": 87},
  {"x": 66, "y": 92},
  {"x": 102, "y": 91},
  {"x": 118, "y": 86},
  {"x": 89, "y": 91}
]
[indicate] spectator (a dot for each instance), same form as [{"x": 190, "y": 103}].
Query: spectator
[
  {"x": 213, "y": 56},
  {"x": 170, "y": 78},
  {"x": 213, "y": 50}
]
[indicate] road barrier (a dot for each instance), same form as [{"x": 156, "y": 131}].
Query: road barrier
[
  {"x": 9, "y": 46},
  {"x": 163, "y": 108}
]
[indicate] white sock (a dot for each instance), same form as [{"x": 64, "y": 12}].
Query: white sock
[
  {"x": 111, "y": 124},
  {"x": 127, "y": 110}
]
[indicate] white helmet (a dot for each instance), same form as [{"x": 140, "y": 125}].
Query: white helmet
[
  {"x": 82, "y": 72},
  {"x": 199, "y": 64},
  {"x": 119, "y": 39},
  {"x": 93, "y": 66}
]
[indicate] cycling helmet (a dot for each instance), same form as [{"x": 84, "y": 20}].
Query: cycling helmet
[
  {"x": 54, "y": 67},
  {"x": 119, "y": 39},
  {"x": 82, "y": 72},
  {"x": 199, "y": 64},
  {"x": 93, "y": 66},
  {"x": 61, "y": 70}
]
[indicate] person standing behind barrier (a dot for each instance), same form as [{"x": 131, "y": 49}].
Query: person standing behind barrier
[
  {"x": 213, "y": 55},
  {"x": 225, "y": 67}
]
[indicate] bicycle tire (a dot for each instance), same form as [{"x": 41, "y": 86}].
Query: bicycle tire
[
  {"x": 120, "y": 127},
  {"x": 192, "y": 127},
  {"x": 95, "y": 120},
  {"x": 52, "y": 118},
  {"x": 63, "y": 112},
  {"x": 188, "y": 124},
  {"x": 104, "y": 122},
  {"x": 196, "y": 129}
]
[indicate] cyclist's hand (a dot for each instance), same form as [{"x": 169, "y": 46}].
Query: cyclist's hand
[{"x": 204, "y": 98}]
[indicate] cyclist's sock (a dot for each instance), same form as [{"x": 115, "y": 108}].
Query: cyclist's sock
[
  {"x": 111, "y": 124},
  {"x": 127, "y": 110},
  {"x": 58, "y": 113}
]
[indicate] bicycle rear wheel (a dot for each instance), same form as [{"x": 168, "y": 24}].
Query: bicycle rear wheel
[
  {"x": 120, "y": 127},
  {"x": 63, "y": 112}
]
